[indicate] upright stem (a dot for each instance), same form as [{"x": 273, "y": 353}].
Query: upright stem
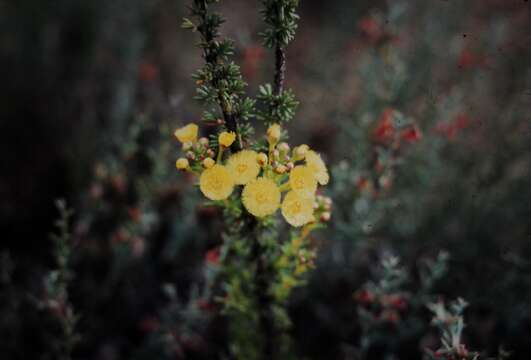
[
  {"x": 263, "y": 275},
  {"x": 264, "y": 300},
  {"x": 211, "y": 58},
  {"x": 280, "y": 69}
]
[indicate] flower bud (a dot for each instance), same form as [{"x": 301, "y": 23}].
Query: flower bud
[
  {"x": 226, "y": 138},
  {"x": 325, "y": 216},
  {"x": 281, "y": 169},
  {"x": 182, "y": 164},
  {"x": 273, "y": 134},
  {"x": 210, "y": 153},
  {"x": 187, "y": 134},
  {"x": 190, "y": 155},
  {"x": 283, "y": 147},
  {"x": 290, "y": 166},
  {"x": 187, "y": 145},
  {"x": 208, "y": 163},
  {"x": 203, "y": 141},
  {"x": 261, "y": 158},
  {"x": 300, "y": 151}
]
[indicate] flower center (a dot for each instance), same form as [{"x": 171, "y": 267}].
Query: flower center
[
  {"x": 241, "y": 168},
  {"x": 296, "y": 207},
  {"x": 261, "y": 197},
  {"x": 298, "y": 184},
  {"x": 216, "y": 183}
]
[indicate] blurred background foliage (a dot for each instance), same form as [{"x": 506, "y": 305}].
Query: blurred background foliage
[{"x": 421, "y": 108}]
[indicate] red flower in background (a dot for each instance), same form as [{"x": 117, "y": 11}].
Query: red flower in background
[
  {"x": 468, "y": 59},
  {"x": 205, "y": 304},
  {"x": 411, "y": 134},
  {"x": 371, "y": 28},
  {"x": 135, "y": 214},
  {"x": 362, "y": 183},
  {"x": 390, "y": 316},
  {"x": 461, "y": 121},
  {"x": 118, "y": 183},
  {"x": 147, "y": 71},
  {"x": 385, "y": 129},
  {"x": 252, "y": 55},
  {"x": 120, "y": 236},
  {"x": 396, "y": 301},
  {"x": 149, "y": 324},
  {"x": 379, "y": 166},
  {"x": 365, "y": 296},
  {"x": 212, "y": 256},
  {"x": 452, "y": 128}
]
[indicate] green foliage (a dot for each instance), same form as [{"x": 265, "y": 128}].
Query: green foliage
[
  {"x": 277, "y": 108},
  {"x": 391, "y": 305},
  {"x": 449, "y": 320},
  {"x": 219, "y": 81},
  {"x": 179, "y": 323},
  {"x": 57, "y": 282},
  {"x": 281, "y": 18}
]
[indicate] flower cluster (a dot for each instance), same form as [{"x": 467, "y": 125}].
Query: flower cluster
[
  {"x": 389, "y": 133},
  {"x": 264, "y": 177}
]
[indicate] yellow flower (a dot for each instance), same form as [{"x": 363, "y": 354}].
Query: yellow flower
[
  {"x": 300, "y": 152},
  {"x": 243, "y": 166},
  {"x": 317, "y": 165},
  {"x": 187, "y": 134},
  {"x": 208, "y": 163},
  {"x": 261, "y": 197},
  {"x": 302, "y": 181},
  {"x": 216, "y": 183},
  {"x": 297, "y": 210},
  {"x": 226, "y": 138},
  {"x": 182, "y": 164},
  {"x": 273, "y": 134}
]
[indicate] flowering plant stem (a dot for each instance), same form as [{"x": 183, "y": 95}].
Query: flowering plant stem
[
  {"x": 280, "y": 69},
  {"x": 213, "y": 57},
  {"x": 263, "y": 277},
  {"x": 257, "y": 267},
  {"x": 58, "y": 281}
]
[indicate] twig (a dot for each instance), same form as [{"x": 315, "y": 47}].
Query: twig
[
  {"x": 280, "y": 69},
  {"x": 212, "y": 58}
]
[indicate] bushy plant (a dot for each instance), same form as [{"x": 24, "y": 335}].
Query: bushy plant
[{"x": 258, "y": 265}]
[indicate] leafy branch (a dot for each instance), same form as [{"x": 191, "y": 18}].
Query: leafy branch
[
  {"x": 58, "y": 281},
  {"x": 219, "y": 81},
  {"x": 450, "y": 321},
  {"x": 281, "y": 18}
]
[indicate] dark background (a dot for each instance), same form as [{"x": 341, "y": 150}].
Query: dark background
[{"x": 106, "y": 82}]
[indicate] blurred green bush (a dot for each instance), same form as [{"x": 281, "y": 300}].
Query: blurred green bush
[{"x": 423, "y": 106}]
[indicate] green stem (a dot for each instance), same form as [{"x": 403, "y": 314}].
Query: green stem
[
  {"x": 285, "y": 187},
  {"x": 231, "y": 122},
  {"x": 220, "y": 154}
]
